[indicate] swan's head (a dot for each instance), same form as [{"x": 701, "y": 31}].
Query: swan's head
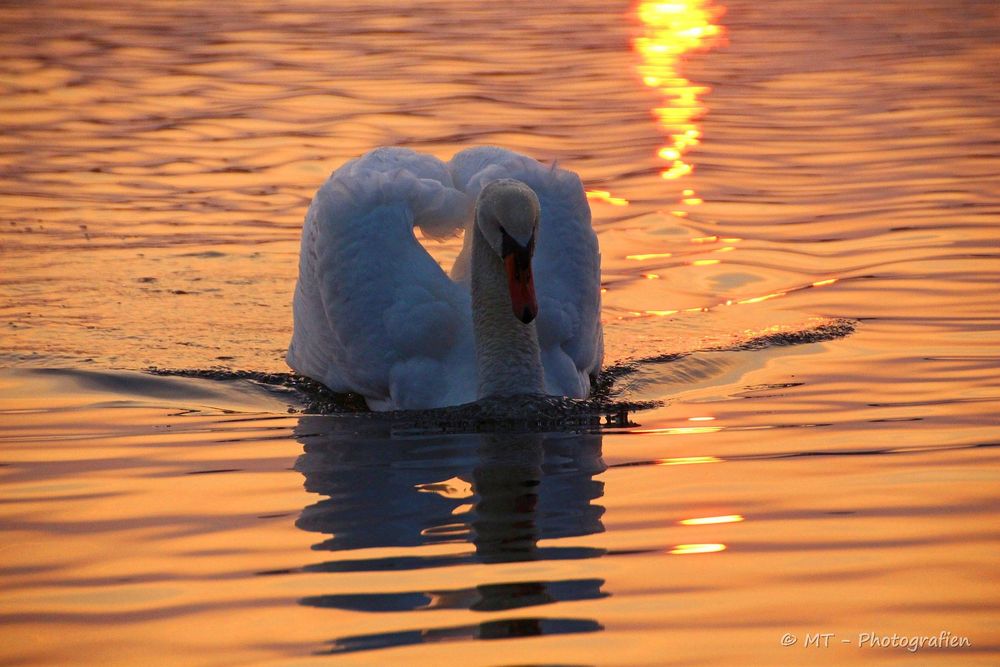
[{"x": 507, "y": 213}]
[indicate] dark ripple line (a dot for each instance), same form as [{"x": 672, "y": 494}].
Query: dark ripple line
[
  {"x": 508, "y": 628},
  {"x": 876, "y": 451},
  {"x": 482, "y": 598}
]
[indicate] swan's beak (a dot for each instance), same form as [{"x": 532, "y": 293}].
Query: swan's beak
[{"x": 517, "y": 262}]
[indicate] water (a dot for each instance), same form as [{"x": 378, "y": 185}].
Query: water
[{"x": 758, "y": 171}]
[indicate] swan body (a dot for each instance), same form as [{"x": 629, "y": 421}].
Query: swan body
[{"x": 520, "y": 314}]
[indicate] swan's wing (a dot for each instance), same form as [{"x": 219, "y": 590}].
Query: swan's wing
[
  {"x": 374, "y": 313},
  {"x": 567, "y": 263}
]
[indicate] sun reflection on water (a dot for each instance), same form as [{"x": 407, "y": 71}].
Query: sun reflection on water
[
  {"x": 670, "y": 29},
  {"x": 605, "y": 196},
  {"x": 687, "y": 460},
  {"x": 728, "y": 302},
  {"x": 652, "y": 255},
  {"x": 685, "y": 549},
  {"x": 680, "y": 430},
  {"x": 710, "y": 520}
]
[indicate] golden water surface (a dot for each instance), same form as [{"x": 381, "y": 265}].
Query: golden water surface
[{"x": 755, "y": 170}]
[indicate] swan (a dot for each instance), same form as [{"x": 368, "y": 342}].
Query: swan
[{"x": 375, "y": 314}]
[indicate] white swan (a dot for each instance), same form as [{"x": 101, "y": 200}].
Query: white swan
[{"x": 376, "y": 315}]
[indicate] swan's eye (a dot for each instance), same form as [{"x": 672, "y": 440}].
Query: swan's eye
[{"x": 511, "y": 247}]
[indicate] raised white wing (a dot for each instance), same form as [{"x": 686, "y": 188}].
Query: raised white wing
[{"x": 374, "y": 313}]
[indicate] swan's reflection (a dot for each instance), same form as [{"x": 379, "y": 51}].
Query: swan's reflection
[{"x": 502, "y": 494}]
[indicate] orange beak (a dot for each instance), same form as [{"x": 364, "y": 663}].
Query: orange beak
[
  {"x": 517, "y": 263},
  {"x": 522, "y": 287}
]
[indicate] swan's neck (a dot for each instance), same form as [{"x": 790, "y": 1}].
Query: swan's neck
[{"x": 507, "y": 357}]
